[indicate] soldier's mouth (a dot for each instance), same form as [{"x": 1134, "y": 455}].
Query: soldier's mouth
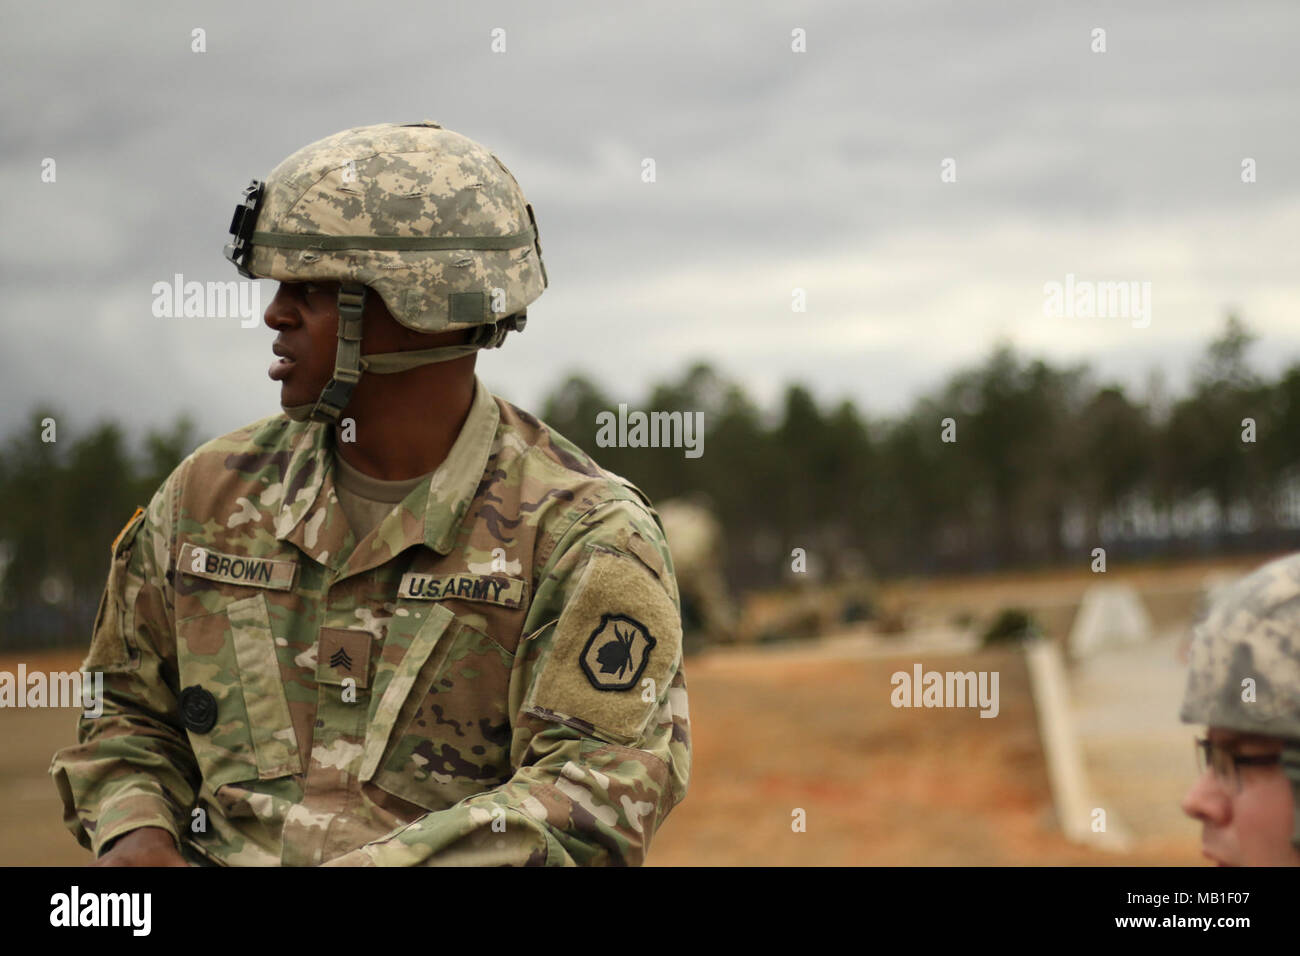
[
  {"x": 282, "y": 365},
  {"x": 280, "y": 368}
]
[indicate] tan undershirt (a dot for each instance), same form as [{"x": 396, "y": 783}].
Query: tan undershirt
[{"x": 365, "y": 500}]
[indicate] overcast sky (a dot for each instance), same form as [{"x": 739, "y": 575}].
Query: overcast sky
[{"x": 775, "y": 170}]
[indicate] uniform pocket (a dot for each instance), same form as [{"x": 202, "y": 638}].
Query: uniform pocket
[
  {"x": 230, "y": 654},
  {"x": 450, "y": 736}
]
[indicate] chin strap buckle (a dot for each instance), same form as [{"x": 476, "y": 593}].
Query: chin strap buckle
[
  {"x": 335, "y": 396},
  {"x": 496, "y": 334}
]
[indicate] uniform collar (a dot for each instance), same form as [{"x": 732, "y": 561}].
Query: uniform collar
[
  {"x": 455, "y": 484},
  {"x": 311, "y": 517}
]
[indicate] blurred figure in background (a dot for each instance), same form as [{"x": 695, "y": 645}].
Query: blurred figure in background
[{"x": 695, "y": 541}]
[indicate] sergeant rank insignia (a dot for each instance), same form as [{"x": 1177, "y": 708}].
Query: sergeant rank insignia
[{"x": 617, "y": 652}]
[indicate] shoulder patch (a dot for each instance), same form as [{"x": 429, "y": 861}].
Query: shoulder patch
[
  {"x": 616, "y": 646},
  {"x": 617, "y": 652},
  {"x": 127, "y": 534}
]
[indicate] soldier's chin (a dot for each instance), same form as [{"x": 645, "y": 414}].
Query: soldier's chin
[
  {"x": 295, "y": 392},
  {"x": 295, "y": 404}
]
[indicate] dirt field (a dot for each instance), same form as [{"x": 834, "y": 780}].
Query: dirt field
[
  {"x": 1169, "y": 591},
  {"x": 775, "y": 730},
  {"x": 811, "y": 727},
  {"x": 787, "y": 729},
  {"x": 31, "y": 827}
]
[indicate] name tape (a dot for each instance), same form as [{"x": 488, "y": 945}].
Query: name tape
[{"x": 237, "y": 569}]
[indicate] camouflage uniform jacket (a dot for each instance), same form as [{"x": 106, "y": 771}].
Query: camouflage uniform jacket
[{"x": 492, "y": 675}]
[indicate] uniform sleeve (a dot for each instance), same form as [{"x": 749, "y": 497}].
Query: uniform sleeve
[
  {"x": 132, "y": 766},
  {"x": 601, "y": 737}
]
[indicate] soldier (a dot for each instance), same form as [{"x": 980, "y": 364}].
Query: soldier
[
  {"x": 403, "y": 622},
  {"x": 695, "y": 539},
  {"x": 1244, "y": 684}
]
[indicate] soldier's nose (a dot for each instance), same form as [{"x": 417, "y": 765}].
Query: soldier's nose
[
  {"x": 280, "y": 313},
  {"x": 1206, "y": 801}
]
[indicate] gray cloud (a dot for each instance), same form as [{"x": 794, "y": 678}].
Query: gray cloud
[{"x": 775, "y": 171}]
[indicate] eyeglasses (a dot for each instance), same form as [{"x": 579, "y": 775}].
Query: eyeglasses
[{"x": 1227, "y": 764}]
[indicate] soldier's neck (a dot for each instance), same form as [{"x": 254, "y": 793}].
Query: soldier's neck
[{"x": 403, "y": 425}]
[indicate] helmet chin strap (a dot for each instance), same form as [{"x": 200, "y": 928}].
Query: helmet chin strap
[
  {"x": 1291, "y": 768},
  {"x": 349, "y": 362}
]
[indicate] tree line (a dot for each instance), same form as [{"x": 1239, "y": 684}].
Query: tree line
[
  {"x": 1046, "y": 463},
  {"x": 1043, "y": 464}
]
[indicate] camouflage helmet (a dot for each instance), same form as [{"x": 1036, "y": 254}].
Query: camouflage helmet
[
  {"x": 429, "y": 219},
  {"x": 1244, "y": 665}
]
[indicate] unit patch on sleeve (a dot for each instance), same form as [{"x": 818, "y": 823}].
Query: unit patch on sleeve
[
  {"x": 616, "y": 646},
  {"x": 127, "y": 530},
  {"x": 617, "y": 652}
]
